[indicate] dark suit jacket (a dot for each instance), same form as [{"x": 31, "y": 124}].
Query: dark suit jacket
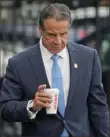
[{"x": 86, "y": 112}]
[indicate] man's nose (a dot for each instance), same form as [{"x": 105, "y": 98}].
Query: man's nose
[{"x": 58, "y": 40}]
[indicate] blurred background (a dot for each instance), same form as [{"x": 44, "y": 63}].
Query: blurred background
[{"x": 19, "y": 30}]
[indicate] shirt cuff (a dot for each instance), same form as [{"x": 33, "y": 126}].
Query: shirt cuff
[{"x": 31, "y": 114}]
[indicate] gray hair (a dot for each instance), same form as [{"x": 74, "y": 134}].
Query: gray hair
[{"x": 56, "y": 10}]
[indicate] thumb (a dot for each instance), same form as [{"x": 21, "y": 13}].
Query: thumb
[{"x": 41, "y": 87}]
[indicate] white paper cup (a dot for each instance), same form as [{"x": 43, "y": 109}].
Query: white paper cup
[{"x": 54, "y": 104}]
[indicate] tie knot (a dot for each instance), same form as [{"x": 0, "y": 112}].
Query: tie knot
[{"x": 55, "y": 57}]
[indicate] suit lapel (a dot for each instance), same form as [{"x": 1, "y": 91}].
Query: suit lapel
[
  {"x": 38, "y": 66},
  {"x": 74, "y": 71}
]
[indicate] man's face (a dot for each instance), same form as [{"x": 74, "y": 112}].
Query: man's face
[{"x": 55, "y": 34}]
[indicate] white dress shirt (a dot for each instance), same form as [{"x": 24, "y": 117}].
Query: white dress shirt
[{"x": 64, "y": 65}]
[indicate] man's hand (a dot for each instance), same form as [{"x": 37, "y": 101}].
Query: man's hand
[{"x": 42, "y": 99}]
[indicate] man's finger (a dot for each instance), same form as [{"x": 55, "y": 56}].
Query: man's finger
[
  {"x": 43, "y": 94},
  {"x": 41, "y": 87},
  {"x": 43, "y": 99},
  {"x": 40, "y": 104}
]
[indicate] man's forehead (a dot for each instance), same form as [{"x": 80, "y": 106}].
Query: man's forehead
[
  {"x": 56, "y": 26},
  {"x": 57, "y": 31},
  {"x": 53, "y": 22}
]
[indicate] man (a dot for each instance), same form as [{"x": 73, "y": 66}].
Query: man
[{"x": 23, "y": 98}]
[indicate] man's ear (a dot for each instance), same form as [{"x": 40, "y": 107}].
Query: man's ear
[{"x": 41, "y": 30}]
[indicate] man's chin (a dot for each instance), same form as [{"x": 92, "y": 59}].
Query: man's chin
[{"x": 56, "y": 51}]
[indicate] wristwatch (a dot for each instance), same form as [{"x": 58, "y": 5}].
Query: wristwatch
[{"x": 30, "y": 107}]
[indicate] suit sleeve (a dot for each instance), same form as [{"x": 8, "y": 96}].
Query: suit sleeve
[
  {"x": 12, "y": 106},
  {"x": 97, "y": 101}
]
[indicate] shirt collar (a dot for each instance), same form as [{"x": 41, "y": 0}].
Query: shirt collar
[{"x": 47, "y": 54}]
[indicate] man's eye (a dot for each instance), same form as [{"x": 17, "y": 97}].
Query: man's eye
[
  {"x": 53, "y": 35},
  {"x": 62, "y": 34}
]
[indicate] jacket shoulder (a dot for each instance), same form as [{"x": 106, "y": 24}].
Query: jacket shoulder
[
  {"x": 24, "y": 54},
  {"x": 81, "y": 48}
]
